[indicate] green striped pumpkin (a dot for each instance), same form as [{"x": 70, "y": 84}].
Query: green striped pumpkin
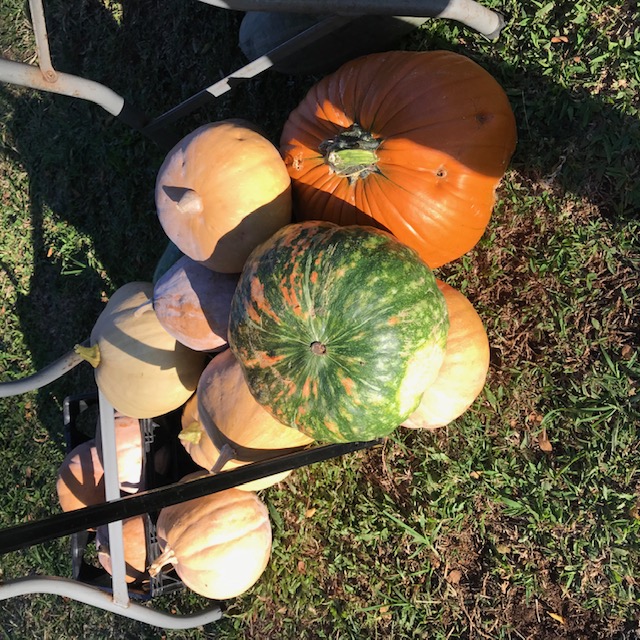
[{"x": 339, "y": 330}]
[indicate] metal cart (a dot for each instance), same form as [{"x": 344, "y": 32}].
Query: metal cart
[{"x": 44, "y": 77}]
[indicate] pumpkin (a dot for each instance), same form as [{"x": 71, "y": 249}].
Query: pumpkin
[
  {"x": 231, "y": 415},
  {"x": 129, "y": 452},
  {"x": 141, "y": 369},
  {"x": 220, "y": 191},
  {"x": 80, "y": 478},
  {"x": 339, "y": 330},
  {"x": 219, "y": 544},
  {"x": 192, "y": 303},
  {"x": 464, "y": 370},
  {"x": 134, "y": 539},
  {"x": 196, "y": 441},
  {"x": 414, "y": 142},
  {"x": 169, "y": 256}
]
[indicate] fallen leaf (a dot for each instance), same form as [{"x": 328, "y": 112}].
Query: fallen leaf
[
  {"x": 543, "y": 441},
  {"x": 309, "y": 513},
  {"x": 454, "y": 576},
  {"x": 556, "y": 616}
]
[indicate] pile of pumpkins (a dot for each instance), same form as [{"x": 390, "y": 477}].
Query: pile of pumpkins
[{"x": 296, "y": 303}]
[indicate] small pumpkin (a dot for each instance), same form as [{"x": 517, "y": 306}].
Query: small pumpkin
[
  {"x": 203, "y": 451},
  {"x": 338, "y": 329},
  {"x": 80, "y": 478},
  {"x": 220, "y": 191},
  {"x": 219, "y": 544},
  {"x": 192, "y": 303},
  {"x": 414, "y": 142},
  {"x": 231, "y": 415},
  {"x": 464, "y": 370},
  {"x": 142, "y": 370},
  {"x": 129, "y": 451},
  {"x": 134, "y": 539}
]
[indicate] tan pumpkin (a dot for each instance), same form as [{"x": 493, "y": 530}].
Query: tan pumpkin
[
  {"x": 219, "y": 544},
  {"x": 192, "y": 303},
  {"x": 221, "y": 191},
  {"x": 129, "y": 452},
  {"x": 80, "y": 478},
  {"x": 464, "y": 370},
  {"x": 232, "y": 416},
  {"x": 142, "y": 370},
  {"x": 134, "y": 538},
  {"x": 203, "y": 452}
]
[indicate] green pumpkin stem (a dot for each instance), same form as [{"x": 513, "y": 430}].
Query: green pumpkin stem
[
  {"x": 90, "y": 354},
  {"x": 191, "y": 433},
  {"x": 352, "y": 153}
]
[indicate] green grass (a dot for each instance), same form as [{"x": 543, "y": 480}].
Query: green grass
[{"x": 470, "y": 532}]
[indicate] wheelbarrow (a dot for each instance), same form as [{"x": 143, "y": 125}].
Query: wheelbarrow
[
  {"x": 335, "y": 14},
  {"x": 117, "y": 597}
]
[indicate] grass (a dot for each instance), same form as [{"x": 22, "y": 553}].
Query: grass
[{"x": 519, "y": 520}]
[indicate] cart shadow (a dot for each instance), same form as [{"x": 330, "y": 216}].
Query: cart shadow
[{"x": 96, "y": 176}]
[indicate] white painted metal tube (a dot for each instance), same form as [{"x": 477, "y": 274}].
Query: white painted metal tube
[
  {"x": 112, "y": 492},
  {"x": 27, "y": 75},
  {"x": 42, "y": 40},
  {"x": 96, "y": 597},
  {"x": 468, "y": 12}
]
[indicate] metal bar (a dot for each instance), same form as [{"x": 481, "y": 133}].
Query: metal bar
[
  {"x": 468, "y": 12},
  {"x": 112, "y": 492},
  {"x": 96, "y": 597},
  {"x": 42, "y": 41},
  {"x": 27, "y": 75},
  {"x": 30, "y": 533},
  {"x": 248, "y": 71},
  {"x": 48, "y": 374}
]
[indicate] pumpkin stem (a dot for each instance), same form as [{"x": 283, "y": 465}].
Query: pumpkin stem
[
  {"x": 166, "y": 557},
  {"x": 191, "y": 433},
  {"x": 90, "y": 354},
  {"x": 226, "y": 453},
  {"x": 144, "y": 307},
  {"x": 351, "y": 153},
  {"x": 318, "y": 348},
  {"x": 189, "y": 202}
]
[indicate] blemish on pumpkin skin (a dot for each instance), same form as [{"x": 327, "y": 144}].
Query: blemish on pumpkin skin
[
  {"x": 259, "y": 301},
  {"x": 483, "y": 118},
  {"x": 348, "y": 385}
]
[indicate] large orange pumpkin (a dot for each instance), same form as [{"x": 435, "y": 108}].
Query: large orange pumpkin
[
  {"x": 464, "y": 370},
  {"x": 413, "y": 142}
]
